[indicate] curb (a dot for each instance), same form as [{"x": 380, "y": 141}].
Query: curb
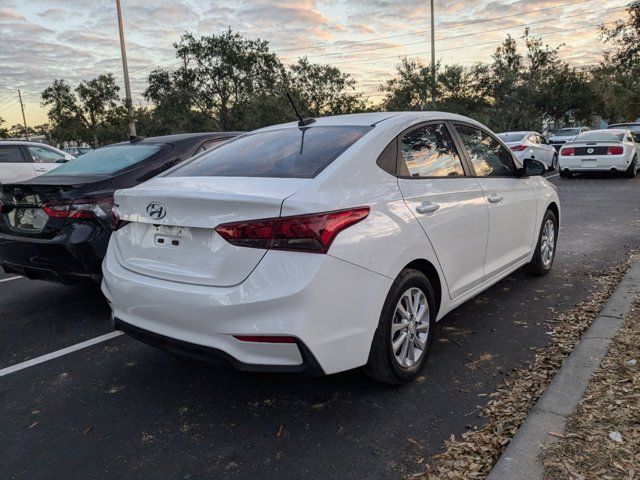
[{"x": 550, "y": 413}]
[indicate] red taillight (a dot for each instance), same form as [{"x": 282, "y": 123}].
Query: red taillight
[
  {"x": 264, "y": 339},
  {"x": 518, "y": 148},
  {"x": 116, "y": 222},
  {"x": 99, "y": 207},
  {"x": 615, "y": 151},
  {"x": 303, "y": 233},
  {"x": 569, "y": 151}
]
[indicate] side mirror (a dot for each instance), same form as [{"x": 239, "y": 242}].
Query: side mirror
[
  {"x": 61, "y": 160},
  {"x": 532, "y": 167}
]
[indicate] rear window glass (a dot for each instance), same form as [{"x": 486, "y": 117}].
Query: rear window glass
[
  {"x": 565, "y": 132},
  {"x": 604, "y": 136},
  {"x": 512, "y": 136},
  {"x": 106, "y": 160},
  {"x": 633, "y": 128},
  {"x": 284, "y": 153}
]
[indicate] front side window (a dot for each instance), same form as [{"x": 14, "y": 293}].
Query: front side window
[
  {"x": 488, "y": 156},
  {"x": 281, "y": 153},
  {"x": 10, "y": 154},
  {"x": 107, "y": 160},
  {"x": 429, "y": 151},
  {"x": 44, "y": 155}
]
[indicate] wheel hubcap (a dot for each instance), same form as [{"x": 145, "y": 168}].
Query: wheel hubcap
[
  {"x": 548, "y": 243},
  {"x": 410, "y": 327}
]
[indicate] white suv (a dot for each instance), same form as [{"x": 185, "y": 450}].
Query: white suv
[{"x": 22, "y": 160}]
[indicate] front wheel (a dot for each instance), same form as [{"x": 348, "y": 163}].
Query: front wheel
[
  {"x": 632, "y": 171},
  {"x": 405, "y": 331},
  {"x": 545, "y": 253},
  {"x": 554, "y": 162}
]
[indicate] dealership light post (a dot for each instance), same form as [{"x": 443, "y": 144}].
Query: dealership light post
[
  {"x": 24, "y": 119},
  {"x": 125, "y": 68},
  {"x": 433, "y": 57}
]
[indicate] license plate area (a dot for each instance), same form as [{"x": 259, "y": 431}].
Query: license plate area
[
  {"x": 31, "y": 220},
  {"x": 169, "y": 237}
]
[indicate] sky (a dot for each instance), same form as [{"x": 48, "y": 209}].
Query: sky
[{"x": 76, "y": 40}]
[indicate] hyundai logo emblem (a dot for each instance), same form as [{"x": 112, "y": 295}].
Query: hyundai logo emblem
[
  {"x": 156, "y": 211},
  {"x": 590, "y": 150}
]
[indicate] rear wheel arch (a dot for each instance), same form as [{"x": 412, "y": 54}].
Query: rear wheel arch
[{"x": 429, "y": 271}]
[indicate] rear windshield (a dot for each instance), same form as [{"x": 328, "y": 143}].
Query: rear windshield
[
  {"x": 602, "y": 136},
  {"x": 565, "y": 132},
  {"x": 512, "y": 136},
  {"x": 106, "y": 160},
  {"x": 284, "y": 153},
  {"x": 633, "y": 128}
]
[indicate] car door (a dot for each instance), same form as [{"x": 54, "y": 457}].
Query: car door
[
  {"x": 547, "y": 152},
  {"x": 45, "y": 159},
  {"x": 14, "y": 164},
  {"x": 448, "y": 203},
  {"x": 535, "y": 150},
  {"x": 510, "y": 199}
]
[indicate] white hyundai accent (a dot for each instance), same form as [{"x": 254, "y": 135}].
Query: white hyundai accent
[
  {"x": 601, "y": 151},
  {"x": 326, "y": 246}
]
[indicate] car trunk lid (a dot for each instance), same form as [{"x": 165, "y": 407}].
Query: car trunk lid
[{"x": 171, "y": 235}]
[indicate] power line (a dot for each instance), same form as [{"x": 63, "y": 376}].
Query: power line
[
  {"x": 146, "y": 68},
  {"x": 11, "y": 105},
  {"x": 448, "y": 27},
  {"x": 460, "y": 46},
  {"x": 465, "y": 34}
]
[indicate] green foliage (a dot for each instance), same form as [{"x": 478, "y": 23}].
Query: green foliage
[
  {"x": 93, "y": 112},
  {"x": 4, "y": 132}
]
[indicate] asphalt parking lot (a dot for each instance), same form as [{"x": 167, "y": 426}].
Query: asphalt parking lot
[{"x": 121, "y": 409}]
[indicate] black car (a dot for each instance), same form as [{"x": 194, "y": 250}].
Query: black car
[{"x": 57, "y": 226}]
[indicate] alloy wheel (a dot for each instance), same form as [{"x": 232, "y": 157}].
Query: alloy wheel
[
  {"x": 410, "y": 328},
  {"x": 548, "y": 243}
]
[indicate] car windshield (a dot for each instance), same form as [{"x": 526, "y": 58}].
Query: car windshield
[
  {"x": 633, "y": 128},
  {"x": 107, "y": 160},
  {"x": 601, "y": 136},
  {"x": 283, "y": 153},
  {"x": 512, "y": 136},
  {"x": 565, "y": 132}
]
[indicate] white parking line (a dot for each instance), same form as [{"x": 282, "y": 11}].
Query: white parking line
[
  {"x": 9, "y": 279},
  {"x": 58, "y": 353},
  {"x": 554, "y": 175}
]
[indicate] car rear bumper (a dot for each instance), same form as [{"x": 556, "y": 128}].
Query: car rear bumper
[
  {"x": 330, "y": 307},
  {"x": 75, "y": 254},
  {"x": 597, "y": 163}
]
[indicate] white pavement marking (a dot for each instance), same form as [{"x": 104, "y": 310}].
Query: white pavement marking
[
  {"x": 554, "y": 175},
  {"x": 58, "y": 353},
  {"x": 9, "y": 279}
]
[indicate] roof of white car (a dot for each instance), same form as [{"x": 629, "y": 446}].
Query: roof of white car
[
  {"x": 373, "y": 118},
  {"x": 22, "y": 142}
]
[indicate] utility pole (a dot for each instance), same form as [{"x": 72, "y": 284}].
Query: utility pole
[
  {"x": 24, "y": 119},
  {"x": 125, "y": 68},
  {"x": 433, "y": 57}
]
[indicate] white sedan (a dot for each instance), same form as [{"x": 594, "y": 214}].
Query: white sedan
[
  {"x": 531, "y": 145},
  {"x": 326, "y": 246},
  {"x": 21, "y": 160},
  {"x": 601, "y": 151}
]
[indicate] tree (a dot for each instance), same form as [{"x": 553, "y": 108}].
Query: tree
[
  {"x": 4, "y": 132},
  {"x": 92, "y": 112},
  {"x": 616, "y": 79},
  {"x": 323, "y": 89}
]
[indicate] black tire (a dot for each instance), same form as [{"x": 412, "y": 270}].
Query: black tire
[
  {"x": 633, "y": 168},
  {"x": 537, "y": 266},
  {"x": 554, "y": 162},
  {"x": 382, "y": 364},
  {"x": 565, "y": 174}
]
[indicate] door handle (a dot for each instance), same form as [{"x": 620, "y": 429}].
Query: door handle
[
  {"x": 427, "y": 207},
  {"x": 493, "y": 198},
  {"x": 41, "y": 169}
]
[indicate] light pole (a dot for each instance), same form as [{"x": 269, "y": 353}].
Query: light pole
[
  {"x": 125, "y": 69},
  {"x": 433, "y": 57},
  {"x": 24, "y": 119}
]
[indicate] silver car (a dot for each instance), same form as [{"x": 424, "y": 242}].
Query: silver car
[{"x": 531, "y": 145}]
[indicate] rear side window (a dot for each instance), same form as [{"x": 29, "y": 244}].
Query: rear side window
[
  {"x": 283, "y": 153},
  {"x": 10, "y": 154},
  {"x": 488, "y": 156},
  {"x": 107, "y": 160},
  {"x": 429, "y": 151}
]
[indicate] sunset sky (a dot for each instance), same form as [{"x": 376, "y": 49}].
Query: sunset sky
[{"x": 76, "y": 40}]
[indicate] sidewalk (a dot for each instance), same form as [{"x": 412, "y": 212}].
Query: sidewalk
[{"x": 546, "y": 421}]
